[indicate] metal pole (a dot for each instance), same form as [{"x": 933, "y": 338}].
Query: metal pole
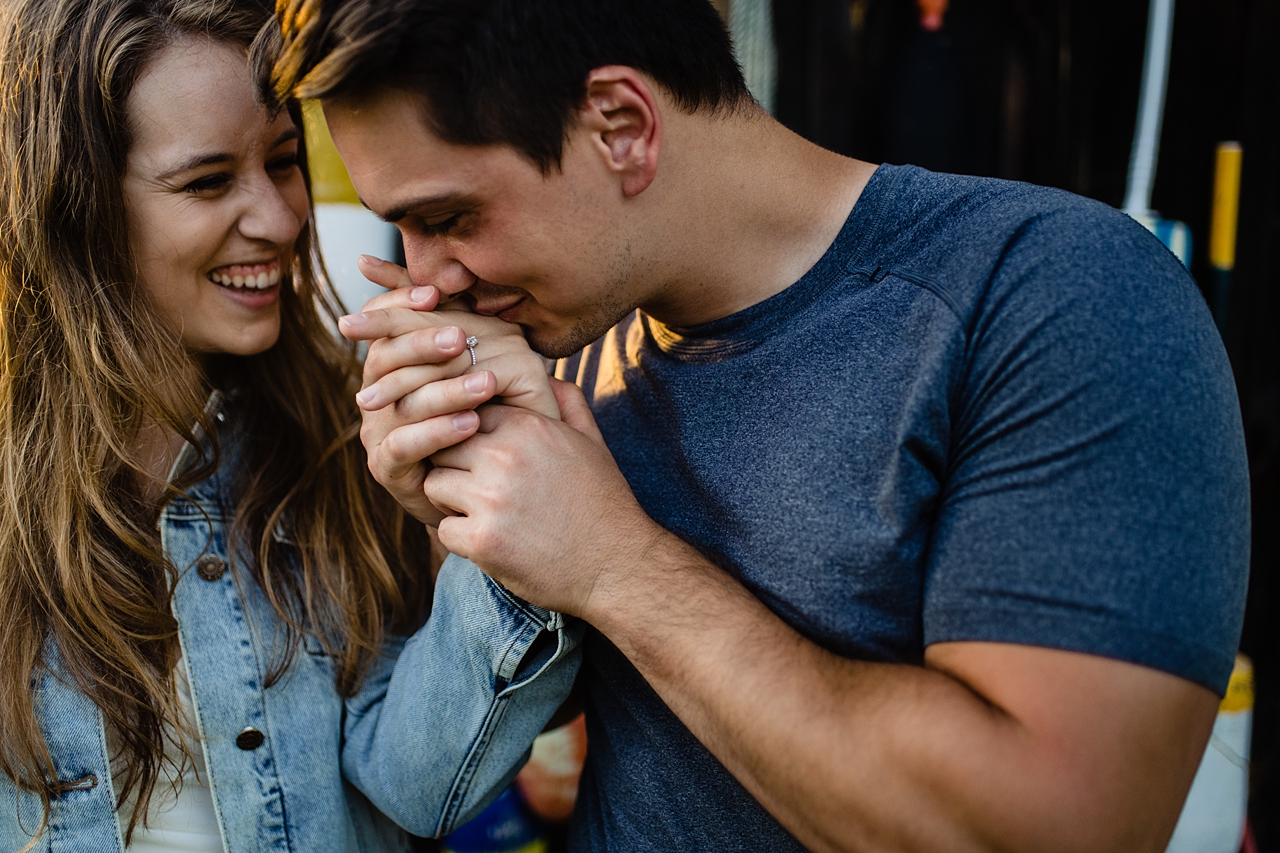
[{"x": 1146, "y": 136}]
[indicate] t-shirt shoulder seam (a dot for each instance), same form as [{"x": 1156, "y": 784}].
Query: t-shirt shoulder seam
[{"x": 925, "y": 283}]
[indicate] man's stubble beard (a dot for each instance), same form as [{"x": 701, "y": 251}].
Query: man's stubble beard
[
  {"x": 586, "y": 331},
  {"x": 613, "y": 305}
]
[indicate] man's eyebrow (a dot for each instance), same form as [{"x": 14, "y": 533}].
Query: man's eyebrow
[
  {"x": 418, "y": 205},
  {"x": 197, "y": 160}
]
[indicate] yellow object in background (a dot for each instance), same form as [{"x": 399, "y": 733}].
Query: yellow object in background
[
  {"x": 329, "y": 180},
  {"x": 1240, "y": 690},
  {"x": 1226, "y": 206},
  {"x": 1223, "y": 227}
]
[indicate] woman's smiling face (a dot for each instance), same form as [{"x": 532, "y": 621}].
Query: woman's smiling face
[{"x": 214, "y": 195}]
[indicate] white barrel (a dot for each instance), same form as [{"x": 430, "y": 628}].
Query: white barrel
[{"x": 1213, "y": 818}]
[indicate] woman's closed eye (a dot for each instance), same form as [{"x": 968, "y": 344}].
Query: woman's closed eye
[
  {"x": 208, "y": 184},
  {"x": 283, "y": 164}
]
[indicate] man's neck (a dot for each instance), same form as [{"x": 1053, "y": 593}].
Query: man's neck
[{"x": 745, "y": 208}]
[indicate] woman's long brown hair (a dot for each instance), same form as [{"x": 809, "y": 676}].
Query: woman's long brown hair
[{"x": 86, "y": 364}]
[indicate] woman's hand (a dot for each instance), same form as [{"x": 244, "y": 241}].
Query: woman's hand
[{"x": 420, "y": 388}]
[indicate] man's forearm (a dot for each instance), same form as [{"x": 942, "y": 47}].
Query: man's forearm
[{"x": 852, "y": 755}]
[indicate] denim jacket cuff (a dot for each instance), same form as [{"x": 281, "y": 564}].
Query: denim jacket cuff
[
  {"x": 445, "y": 721},
  {"x": 517, "y": 669}
]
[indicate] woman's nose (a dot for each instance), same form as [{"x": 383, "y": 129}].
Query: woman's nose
[
  {"x": 429, "y": 262},
  {"x": 270, "y": 213}
]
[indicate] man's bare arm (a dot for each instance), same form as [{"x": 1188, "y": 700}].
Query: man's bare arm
[{"x": 987, "y": 747}]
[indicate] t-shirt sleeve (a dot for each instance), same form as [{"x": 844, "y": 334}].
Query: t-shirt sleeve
[{"x": 1096, "y": 497}]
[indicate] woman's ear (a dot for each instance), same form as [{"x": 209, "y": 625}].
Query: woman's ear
[{"x": 621, "y": 113}]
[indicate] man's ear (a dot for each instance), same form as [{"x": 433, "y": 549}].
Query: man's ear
[{"x": 622, "y": 114}]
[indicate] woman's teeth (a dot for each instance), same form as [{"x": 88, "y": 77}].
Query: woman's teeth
[{"x": 261, "y": 281}]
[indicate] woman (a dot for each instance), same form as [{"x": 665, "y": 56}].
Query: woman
[{"x": 204, "y": 586}]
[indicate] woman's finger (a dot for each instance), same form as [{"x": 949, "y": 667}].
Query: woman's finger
[
  {"x": 407, "y": 446},
  {"x": 385, "y": 322},
  {"x": 444, "y": 348},
  {"x": 392, "y": 387},
  {"x": 416, "y": 400},
  {"x": 446, "y": 488},
  {"x": 383, "y": 273},
  {"x": 424, "y": 298},
  {"x": 390, "y": 321},
  {"x": 521, "y": 380}
]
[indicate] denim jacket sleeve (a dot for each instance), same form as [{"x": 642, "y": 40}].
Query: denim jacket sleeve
[{"x": 446, "y": 719}]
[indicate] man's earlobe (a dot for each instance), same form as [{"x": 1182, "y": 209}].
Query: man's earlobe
[{"x": 623, "y": 114}]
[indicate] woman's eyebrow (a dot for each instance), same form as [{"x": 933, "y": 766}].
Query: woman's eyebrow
[{"x": 197, "y": 160}]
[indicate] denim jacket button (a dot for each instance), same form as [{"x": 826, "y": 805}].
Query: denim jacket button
[
  {"x": 211, "y": 567},
  {"x": 250, "y": 739}
]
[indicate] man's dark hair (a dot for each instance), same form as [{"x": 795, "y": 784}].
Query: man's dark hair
[{"x": 502, "y": 71}]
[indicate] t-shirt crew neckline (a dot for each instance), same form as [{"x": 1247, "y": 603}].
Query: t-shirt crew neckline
[{"x": 755, "y": 324}]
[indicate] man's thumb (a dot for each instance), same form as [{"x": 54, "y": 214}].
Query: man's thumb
[{"x": 574, "y": 409}]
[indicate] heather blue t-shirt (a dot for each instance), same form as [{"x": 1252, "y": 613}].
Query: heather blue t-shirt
[{"x": 991, "y": 411}]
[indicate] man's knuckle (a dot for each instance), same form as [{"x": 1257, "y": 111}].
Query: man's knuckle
[
  {"x": 394, "y": 445},
  {"x": 483, "y": 538}
]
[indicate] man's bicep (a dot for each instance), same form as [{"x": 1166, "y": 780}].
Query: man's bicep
[{"x": 1118, "y": 743}]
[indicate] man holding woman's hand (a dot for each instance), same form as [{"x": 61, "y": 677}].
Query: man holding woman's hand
[{"x": 421, "y": 389}]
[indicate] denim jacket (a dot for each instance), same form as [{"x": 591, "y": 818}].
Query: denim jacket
[{"x": 440, "y": 726}]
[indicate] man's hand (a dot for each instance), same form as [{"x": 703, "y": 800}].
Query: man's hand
[
  {"x": 420, "y": 389},
  {"x": 540, "y": 504}
]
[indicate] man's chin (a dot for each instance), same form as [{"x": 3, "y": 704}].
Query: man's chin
[
  {"x": 549, "y": 344},
  {"x": 552, "y": 346}
]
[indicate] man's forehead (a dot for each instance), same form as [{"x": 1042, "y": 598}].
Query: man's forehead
[
  {"x": 398, "y": 164},
  {"x": 391, "y": 154}
]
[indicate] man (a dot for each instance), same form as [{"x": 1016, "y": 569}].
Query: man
[{"x": 908, "y": 511}]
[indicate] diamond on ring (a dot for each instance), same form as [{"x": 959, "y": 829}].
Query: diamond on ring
[{"x": 471, "y": 347}]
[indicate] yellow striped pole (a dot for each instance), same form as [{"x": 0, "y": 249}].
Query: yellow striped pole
[{"x": 1223, "y": 225}]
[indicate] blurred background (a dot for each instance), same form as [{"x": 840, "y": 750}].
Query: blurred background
[{"x": 1045, "y": 91}]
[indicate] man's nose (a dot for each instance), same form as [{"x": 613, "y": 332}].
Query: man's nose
[{"x": 429, "y": 262}]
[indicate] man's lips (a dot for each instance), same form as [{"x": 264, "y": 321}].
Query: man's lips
[{"x": 498, "y": 307}]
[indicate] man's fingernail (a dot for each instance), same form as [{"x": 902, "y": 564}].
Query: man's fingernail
[
  {"x": 367, "y": 396},
  {"x": 421, "y": 294},
  {"x": 466, "y": 421},
  {"x": 372, "y": 261},
  {"x": 353, "y": 321},
  {"x": 476, "y": 382},
  {"x": 448, "y": 338}
]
